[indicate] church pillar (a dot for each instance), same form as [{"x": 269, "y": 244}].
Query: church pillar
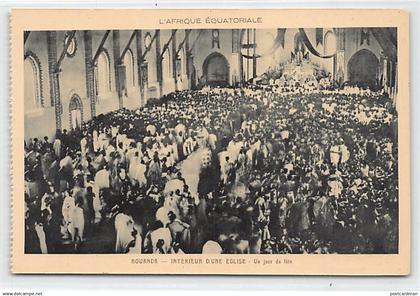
[
  {"x": 241, "y": 58},
  {"x": 140, "y": 74},
  {"x": 90, "y": 76},
  {"x": 118, "y": 67},
  {"x": 188, "y": 62},
  {"x": 158, "y": 63},
  {"x": 174, "y": 58},
  {"x": 339, "y": 69},
  {"x": 395, "y": 92},
  {"x": 54, "y": 77},
  {"x": 235, "y": 67},
  {"x": 384, "y": 72},
  {"x": 254, "y": 56}
]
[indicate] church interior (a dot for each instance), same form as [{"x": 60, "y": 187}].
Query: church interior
[
  {"x": 240, "y": 141},
  {"x": 72, "y": 76}
]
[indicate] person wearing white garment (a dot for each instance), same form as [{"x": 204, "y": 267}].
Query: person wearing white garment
[
  {"x": 39, "y": 229},
  {"x": 137, "y": 171},
  {"x": 78, "y": 223},
  {"x": 335, "y": 184},
  {"x": 102, "y": 178},
  {"x": 161, "y": 240},
  {"x": 57, "y": 147},
  {"x": 95, "y": 141},
  {"x": 114, "y": 131},
  {"x": 83, "y": 145},
  {"x": 212, "y": 247},
  {"x": 344, "y": 152},
  {"x": 68, "y": 213},
  {"x": 127, "y": 238}
]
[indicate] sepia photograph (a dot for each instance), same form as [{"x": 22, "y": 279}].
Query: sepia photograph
[
  {"x": 216, "y": 141},
  {"x": 210, "y": 142}
]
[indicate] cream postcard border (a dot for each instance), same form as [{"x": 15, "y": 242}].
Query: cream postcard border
[{"x": 98, "y": 19}]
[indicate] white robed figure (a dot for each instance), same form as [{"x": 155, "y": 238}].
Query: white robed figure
[
  {"x": 78, "y": 222},
  {"x": 57, "y": 147},
  {"x": 68, "y": 214},
  {"x": 39, "y": 229},
  {"x": 335, "y": 185},
  {"x": 344, "y": 152},
  {"x": 137, "y": 172},
  {"x": 128, "y": 239},
  {"x": 95, "y": 141},
  {"x": 83, "y": 146},
  {"x": 161, "y": 240}
]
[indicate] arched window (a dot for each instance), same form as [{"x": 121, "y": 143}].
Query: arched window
[
  {"x": 330, "y": 43},
  {"x": 103, "y": 74},
  {"x": 167, "y": 65},
  {"x": 32, "y": 83},
  {"x": 129, "y": 68}
]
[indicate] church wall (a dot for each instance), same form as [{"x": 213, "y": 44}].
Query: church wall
[
  {"x": 132, "y": 101},
  {"x": 150, "y": 60},
  {"x": 203, "y": 48},
  {"x": 72, "y": 67},
  {"x": 41, "y": 117},
  {"x": 109, "y": 101},
  {"x": 168, "y": 82},
  {"x": 37, "y": 45},
  {"x": 182, "y": 79}
]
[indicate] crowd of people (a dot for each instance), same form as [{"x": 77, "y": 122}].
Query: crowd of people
[{"x": 224, "y": 170}]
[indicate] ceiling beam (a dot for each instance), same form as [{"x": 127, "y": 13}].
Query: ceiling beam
[
  {"x": 149, "y": 47},
  {"x": 100, "y": 47},
  {"x": 128, "y": 45},
  {"x": 165, "y": 47},
  {"x": 187, "y": 34},
  {"x": 195, "y": 40}
]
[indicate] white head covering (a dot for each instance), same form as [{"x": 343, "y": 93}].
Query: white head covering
[{"x": 212, "y": 247}]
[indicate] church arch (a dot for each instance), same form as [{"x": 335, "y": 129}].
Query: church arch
[
  {"x": 363, "y": 68},
  {"x": 129, "y": 68},
  {"x": 216, "y": 70}
]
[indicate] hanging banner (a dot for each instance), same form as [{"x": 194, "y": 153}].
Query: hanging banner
[{"x": 278, "y": 41}]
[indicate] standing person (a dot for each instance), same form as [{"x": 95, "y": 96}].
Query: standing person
[
  {"x": 57, "y": 147},
  {"x": 78, "y": 223},
  {"x": 67, "y": 212},
  {"x": 154, "y": 173},
  {"x": 90, "y": 210},
  {"x": 40, "y": 231}
]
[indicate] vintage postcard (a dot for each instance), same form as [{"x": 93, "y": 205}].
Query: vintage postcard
[{"x": 210, "y": 142}]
